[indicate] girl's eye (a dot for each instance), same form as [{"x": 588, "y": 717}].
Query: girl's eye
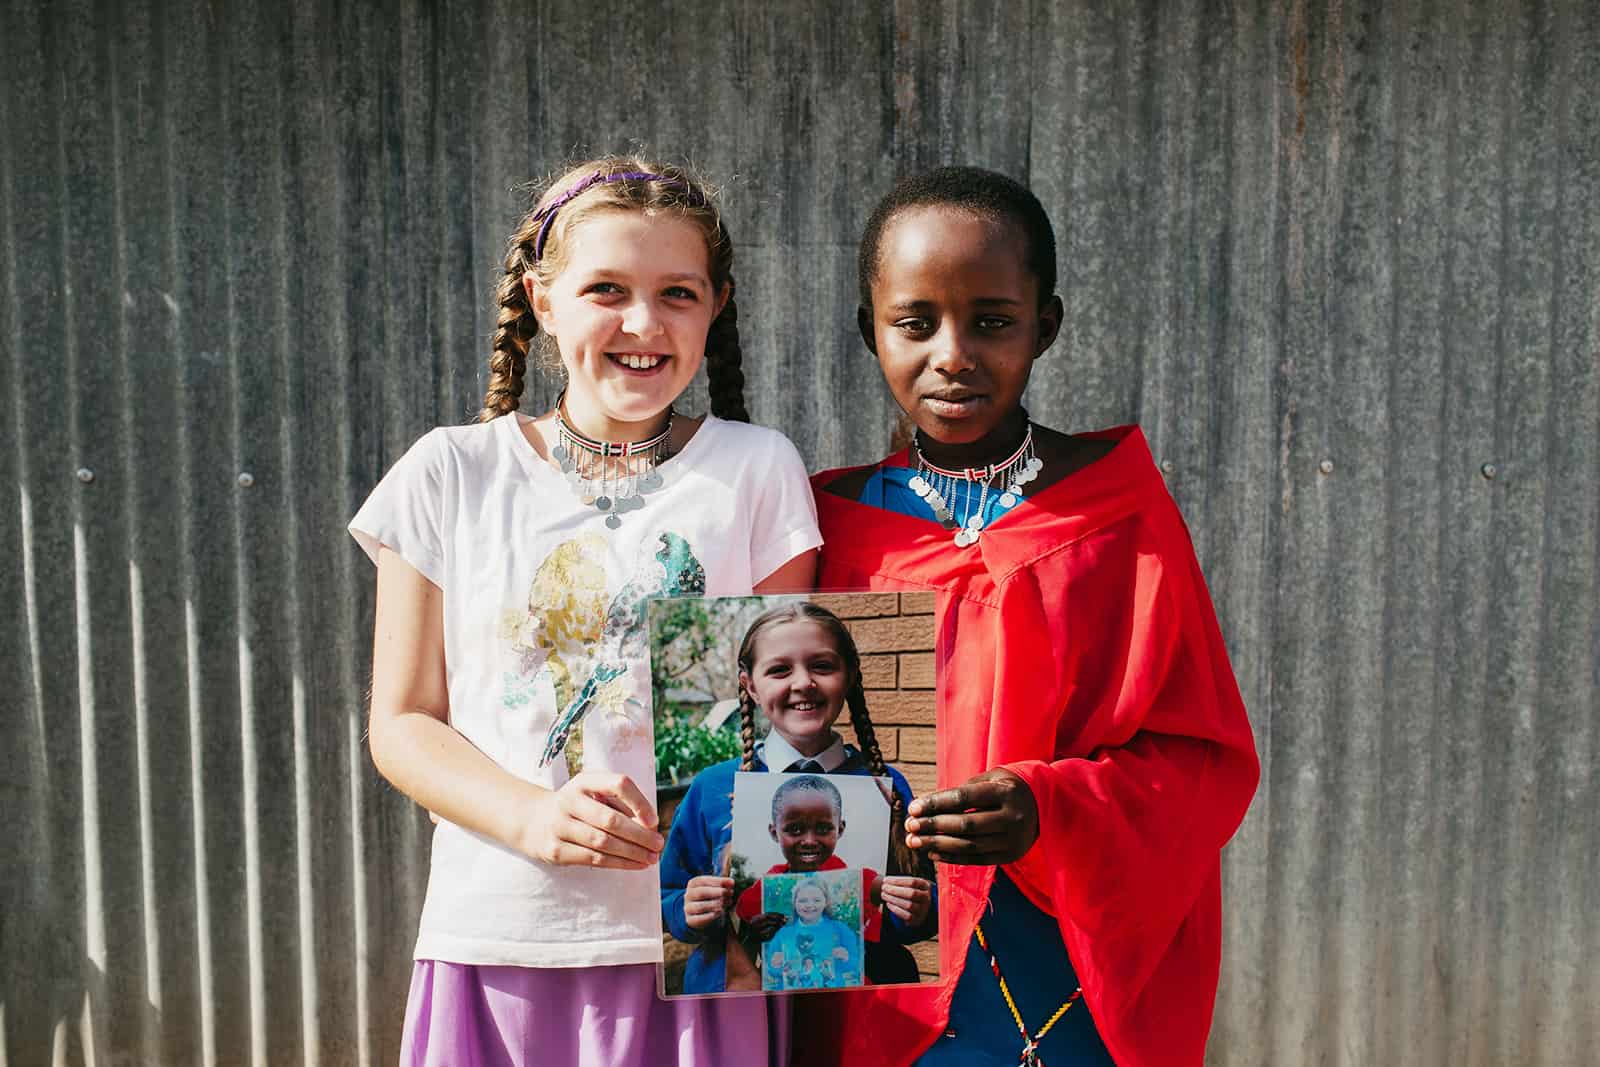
[
  {"x": 913, "y": 326},
  {"x": 680, "y": 292},
  {"x": 824, "y": 666},
  {"x": 993, "y": 322},
  {"x": 777, "y": 669},
  {"x": 604, "y": 288}
]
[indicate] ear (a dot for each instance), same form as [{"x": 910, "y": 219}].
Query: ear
[
  {"x": 1050, "y": 316},
  {"x": 864, "y": 324},
  {"x": 722, "y": 300},
  {"x": 841, "y": 825},
  {"x": 744, "y": 687},
  {"x": 772, "y": 829},
  {"x": 538, "y": 299}
]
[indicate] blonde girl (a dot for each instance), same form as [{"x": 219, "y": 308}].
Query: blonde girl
[{"x": 510, "y": 682}]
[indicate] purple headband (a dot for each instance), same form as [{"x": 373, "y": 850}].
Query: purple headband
[{"x": 548, "y": 213}]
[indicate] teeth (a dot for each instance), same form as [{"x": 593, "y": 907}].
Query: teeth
[{"x": 637, "y": 361}]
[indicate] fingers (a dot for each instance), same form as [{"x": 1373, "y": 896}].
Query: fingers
[
  {"x": 702, "y": 913},
  {"x": 709, "y": 893},
  {"x": 977, "y": 793},
  {"x": 710, "y": 881},
  {"x": 569, "y": 854},
  {"x": 964, "y": 824},
  {"x": 904, "y": 888},
  {"x": 591, "y": 825},
  {"x": 618, "y": 791},
  {"x": 706, "y": 899},
  {"x": 908, "y": 898},
  {"x": 612, "y": 824}
]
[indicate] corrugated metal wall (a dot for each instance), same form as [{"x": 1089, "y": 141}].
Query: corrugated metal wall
[{"x": 1342, "y": 261}]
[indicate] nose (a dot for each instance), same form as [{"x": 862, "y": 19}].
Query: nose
[
  {"x": 951, "y": 352},
  {"x": 639, "y": 319},
  {"x": 801, "y": 681}
]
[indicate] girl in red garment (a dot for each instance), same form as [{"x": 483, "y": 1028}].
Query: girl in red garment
[{"x": 1094, "y": 752}]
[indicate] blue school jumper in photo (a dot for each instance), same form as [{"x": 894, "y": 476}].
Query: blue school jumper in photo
[{"x": 702, "y": 828}]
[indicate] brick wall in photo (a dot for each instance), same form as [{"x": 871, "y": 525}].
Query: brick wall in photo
[{"x": 894, "y": 633}]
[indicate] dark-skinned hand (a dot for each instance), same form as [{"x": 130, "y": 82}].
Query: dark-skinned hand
[
  {"x": 766, "y": 925},
  {"x": 988, "y": 819}
]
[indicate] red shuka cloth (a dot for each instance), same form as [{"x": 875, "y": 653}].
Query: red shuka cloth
[{"x": 1077, "y": 646}]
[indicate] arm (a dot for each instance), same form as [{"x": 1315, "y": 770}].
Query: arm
[
  {"x": 1154, "y": 811},
  {"x": 694, "y": 898},
  {"x": 599, "y": 820},
  {"x": 799, "y": 575},
  {"x": 1129, "y": 831}
]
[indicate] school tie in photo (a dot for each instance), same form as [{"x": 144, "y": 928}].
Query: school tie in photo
[{"x": 804, "y": 766}]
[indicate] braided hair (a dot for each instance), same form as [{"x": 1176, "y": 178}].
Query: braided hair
[
  {"x": 677, "y": 193},
  {"x": 902, "y": 860}
]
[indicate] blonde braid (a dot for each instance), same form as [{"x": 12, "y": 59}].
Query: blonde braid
[
  {"x": 747, "y": 731},
  {"x": 515, "y": 328}
]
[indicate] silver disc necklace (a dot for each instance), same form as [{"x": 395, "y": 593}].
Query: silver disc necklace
[
  {"x": 610, "y": 476},
  {"x": 937, "y": 486}
]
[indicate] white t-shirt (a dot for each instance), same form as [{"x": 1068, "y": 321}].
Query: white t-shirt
[{"x": 544, "y": 612}]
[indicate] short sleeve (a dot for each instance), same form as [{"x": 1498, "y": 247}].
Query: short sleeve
[
  {"x": 784, "y": 514},
  {"x": 404, "y": 510}
]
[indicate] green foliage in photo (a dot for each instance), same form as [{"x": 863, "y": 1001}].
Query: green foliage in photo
[
  {"x": 844, "y": 893},
  {"x": 684, "y": 749}
]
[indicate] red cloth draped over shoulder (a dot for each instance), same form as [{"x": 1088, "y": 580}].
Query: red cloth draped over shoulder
[{"x": 1078, "y": 647}]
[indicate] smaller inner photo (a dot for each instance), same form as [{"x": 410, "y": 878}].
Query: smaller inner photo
[{"x": 819, "y": 943}]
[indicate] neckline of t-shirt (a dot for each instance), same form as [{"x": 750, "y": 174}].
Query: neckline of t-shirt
[{"x": 537, "y": 467}]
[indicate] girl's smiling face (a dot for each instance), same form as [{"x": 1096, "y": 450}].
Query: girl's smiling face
[
  {"x": 957, "y": 321},
  {"x": 809, "y": 903},
  {"x": 629, "y": 311},
  {"x": 799, "y": 680},
  {"x": 807, "y": 829}
]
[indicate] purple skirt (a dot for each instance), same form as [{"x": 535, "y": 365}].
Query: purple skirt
[{"x": 461, "y": 1015}]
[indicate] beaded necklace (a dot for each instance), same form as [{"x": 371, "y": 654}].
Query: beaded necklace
[
  {"x": 937, "y": 486},
  {"x": 1030, "y": 1043},
  {"x": 610, "y": 476}
]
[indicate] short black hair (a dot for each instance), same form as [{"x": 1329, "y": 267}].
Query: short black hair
[
  {"x": 983, "y": 192},
  {"x": 811, "y": 783}
]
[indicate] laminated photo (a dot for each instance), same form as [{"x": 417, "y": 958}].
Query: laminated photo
[{"x": 783, "y": 727}]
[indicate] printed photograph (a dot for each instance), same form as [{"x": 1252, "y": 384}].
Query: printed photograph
[
  {"x": 791, "y": 735},
  {"x": 809, "y": 822},
  {"x": 818, "y": 944}
]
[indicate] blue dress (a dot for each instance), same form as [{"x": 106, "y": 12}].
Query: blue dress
[
  {"x": 1026, "y": 941},
  {"x": 816, "y": 943}
]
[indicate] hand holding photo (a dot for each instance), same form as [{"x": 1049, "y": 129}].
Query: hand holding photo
[{"x": 990, "y": 819}]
